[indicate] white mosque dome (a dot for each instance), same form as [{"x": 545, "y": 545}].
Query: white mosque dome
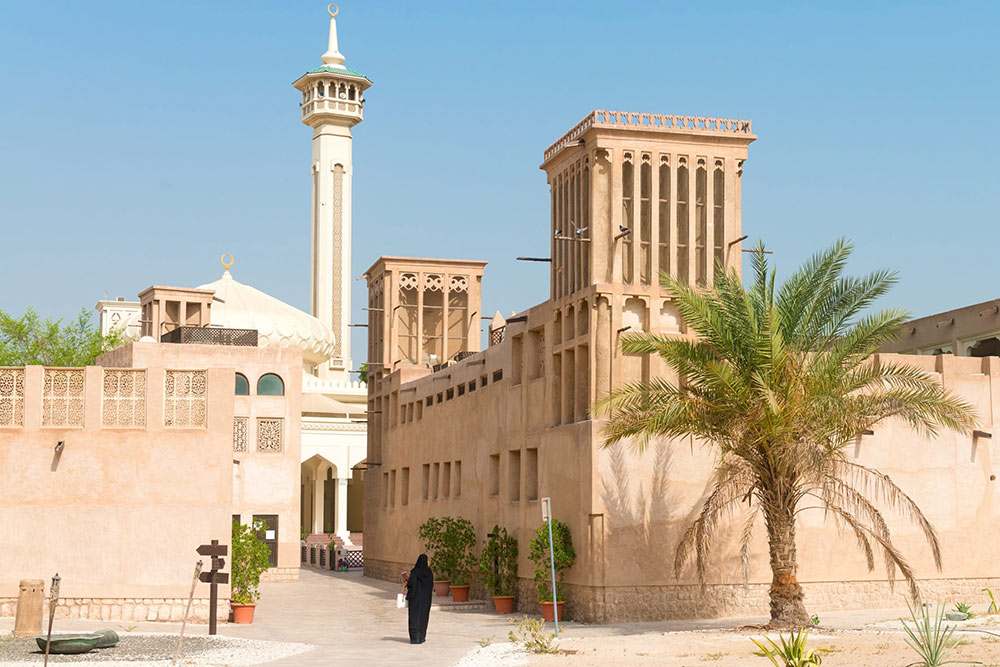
[{"x": 239, "y": 306}]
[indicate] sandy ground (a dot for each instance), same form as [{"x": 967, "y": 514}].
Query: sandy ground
[{"x": 875, "y": 644}]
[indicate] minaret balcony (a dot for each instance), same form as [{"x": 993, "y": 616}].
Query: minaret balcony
[{"x": 324, "y": 108}]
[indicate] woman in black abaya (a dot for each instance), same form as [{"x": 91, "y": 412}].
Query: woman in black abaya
[{"x": 419, "y": 589}]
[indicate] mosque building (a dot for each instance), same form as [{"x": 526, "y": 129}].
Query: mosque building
[{"x": 333, "y": 415}]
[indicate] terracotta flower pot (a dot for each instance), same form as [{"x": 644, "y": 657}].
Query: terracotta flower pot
[
  {"x": 243, "y": 613},
  {"x": 460, "y": 593},
  {"x": 504, "y": 604},
  {"x": 441, "y": 587},
  {"x": 547, "y": 614}
]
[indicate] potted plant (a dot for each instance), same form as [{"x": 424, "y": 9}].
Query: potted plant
[
  {"x": 250, "y": 559},
  {"x": 538, "y": 552},
  {"x": 498, "y": 569},
  {"x": 448, "y": 541},
  {"x": 432, "y": 535},
  {"x": 459, "y": 539}
]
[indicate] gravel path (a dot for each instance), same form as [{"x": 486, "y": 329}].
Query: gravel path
[{"x": 157, "y": 649}]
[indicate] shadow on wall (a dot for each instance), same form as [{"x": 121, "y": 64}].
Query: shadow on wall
[
  {"x": 640, "y": 524},
  {"x": 651, "y": 525}
]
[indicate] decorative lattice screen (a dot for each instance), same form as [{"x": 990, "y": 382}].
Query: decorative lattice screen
[
  {"x": 241, "y": 435},
  {"x": 184, "y": 399},
  {"x": 11, "y": 397},
  {"x": 269, "y": 435},
  {"x": 124, "y": 400},
  {"x": 62, "y": 397}
]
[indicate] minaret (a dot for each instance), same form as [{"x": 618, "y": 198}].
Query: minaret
[{"x": 332, "y": 103}]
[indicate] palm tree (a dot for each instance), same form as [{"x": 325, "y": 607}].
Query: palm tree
[{"x": 778, "y": 381}]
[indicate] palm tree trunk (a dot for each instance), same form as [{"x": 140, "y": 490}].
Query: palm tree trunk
[{"x": 787, "y": 609}]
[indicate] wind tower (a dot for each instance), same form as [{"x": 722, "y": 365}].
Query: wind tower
[{"x": 332, "y": 103}]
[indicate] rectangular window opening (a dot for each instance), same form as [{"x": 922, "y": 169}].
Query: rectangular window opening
[
  {"x": 531, "y": 474},
  {"x": 404, "y": 491},
  {"x": 494, "y": 474},
  {"x": 425, "y": 481},
  {"x": 446, "y": 479},
  {"x": 514, "y": 474}
]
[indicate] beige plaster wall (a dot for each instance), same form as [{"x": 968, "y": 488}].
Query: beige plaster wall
[
  {"x": 120, "y": 512},
  {"x": 262, "y": 482}
]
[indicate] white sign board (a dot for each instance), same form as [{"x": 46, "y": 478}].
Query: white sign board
[
  {"x": 268, "y": 534},
  {"x": 546, "y": 508}
]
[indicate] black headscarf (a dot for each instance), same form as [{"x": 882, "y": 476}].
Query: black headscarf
[{"x": 421, "y": 572}]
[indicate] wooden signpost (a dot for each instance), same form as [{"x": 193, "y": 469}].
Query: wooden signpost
[{"x": 213, "y": 577}]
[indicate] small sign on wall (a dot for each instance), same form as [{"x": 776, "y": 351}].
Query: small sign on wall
[{"x": 269, "y": 535}]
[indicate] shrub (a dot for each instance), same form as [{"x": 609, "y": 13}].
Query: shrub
[
  {"x": 251, "y": 558},
  {"x": 538, "y": 552},
  {"x": 498, "y": 563},
  {"x": 792, "y": 653},
  {"x": 449, "y": 541},
  {"x": 530, "y": 633}
]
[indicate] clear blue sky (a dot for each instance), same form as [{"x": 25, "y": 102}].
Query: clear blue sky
[{"x": 140, "y": 140}]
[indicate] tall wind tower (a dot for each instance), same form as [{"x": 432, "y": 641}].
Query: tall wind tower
[{"x": 332, "y": 103}]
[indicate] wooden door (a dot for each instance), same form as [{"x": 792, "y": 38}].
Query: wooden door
[{"x": 270, "y": 535}]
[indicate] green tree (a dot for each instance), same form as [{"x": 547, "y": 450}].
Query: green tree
[
  {"x": 778, "y": 382},
  {"x": 29, "y": 340},
  {"x": 363, "y": 373}
]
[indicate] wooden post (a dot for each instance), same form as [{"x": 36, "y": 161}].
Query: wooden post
[
  {"x": 53, "y": 598},
  {"x": 194, "y": 582},
  {"x": 214, "y": 578}
]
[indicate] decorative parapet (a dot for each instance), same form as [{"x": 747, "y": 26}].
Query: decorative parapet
[
  {"x": 62, "y": 397},
  {"x": 651, "y": 121},
  {"x": 12, "y": 397}
]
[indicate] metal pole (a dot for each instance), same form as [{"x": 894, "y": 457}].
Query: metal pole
[
  {"x": 53, "y": 598},
  {"x": 552, "y": 562},
  {"x": 194, "y": 582}
]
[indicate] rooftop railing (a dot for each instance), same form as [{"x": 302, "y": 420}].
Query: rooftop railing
[
  {"x": 211, "y": 336},
  {"x": 650, "y": 121}
]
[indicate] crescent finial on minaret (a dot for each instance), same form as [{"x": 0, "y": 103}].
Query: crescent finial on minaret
[{"x": 333, "y": 57}]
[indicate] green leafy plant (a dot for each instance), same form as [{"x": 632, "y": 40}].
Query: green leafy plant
[
  {"x": 31, "y": 340},
  {"x": 964, "y": 608},
  {"x": 251, "y": 558},
  {"x": 791, "y": 653},
  {"x": 779, "y": 383},
  {"x": 449, "y": 541},
  {"x": 814, "y": 619},
  {"x": 303, "y": 534},
  {"x": 538, "y": 553},
  {"x": 485, "y": 641},
  {"x": 530, "y": 634},
  {"x": 993, "y": 603},
  {"x": 929, "y": 637},
  {"x": 498, "y": 563}
]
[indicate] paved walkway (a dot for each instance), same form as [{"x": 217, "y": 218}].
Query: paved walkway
[
  {"x": 347, "y": 617},
  {"x": 350, "y": 618}
]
